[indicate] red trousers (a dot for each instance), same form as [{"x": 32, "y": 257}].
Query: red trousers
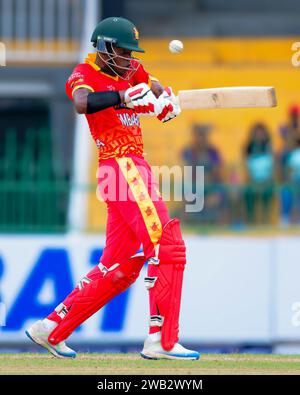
[
  {"x": 136, "y": 211},
  {"x": 136, "y": 216}
]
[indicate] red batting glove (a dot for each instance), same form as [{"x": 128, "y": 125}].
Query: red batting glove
[
  {"x": 141, "y": 99},
  {"x": 171, "y": 107}
]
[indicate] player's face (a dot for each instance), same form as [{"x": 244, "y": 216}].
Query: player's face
[
  {"x": 123, "y": 59},
  {"x": 117, "y": 61}
]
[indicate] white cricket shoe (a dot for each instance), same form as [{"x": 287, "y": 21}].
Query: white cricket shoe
[
  {"x": 38, "y": 333},
  {"x": 153, "y": 350}
]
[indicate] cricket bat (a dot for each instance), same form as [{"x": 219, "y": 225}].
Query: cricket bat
[{"x": 231, "y": 97}]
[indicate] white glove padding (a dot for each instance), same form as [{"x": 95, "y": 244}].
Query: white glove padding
[
  {"x": 141, "y": 99},
  {"x": 172, "y": 107}
]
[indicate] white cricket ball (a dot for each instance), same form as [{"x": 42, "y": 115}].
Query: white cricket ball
[{"x": 176, "y": 46}]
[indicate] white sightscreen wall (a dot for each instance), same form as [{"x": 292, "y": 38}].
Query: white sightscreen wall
[{"x": 236, "y": 290}]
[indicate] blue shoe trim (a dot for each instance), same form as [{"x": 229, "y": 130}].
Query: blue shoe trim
[
  {"x": 28, "y": 335},
  {"x": 195, "y": 355},
  {"x": 71, "y": 355}
]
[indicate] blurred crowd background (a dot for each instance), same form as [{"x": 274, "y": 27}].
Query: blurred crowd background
[
  {"x": 263, "y": 189},
  {"x": 251, "y": 156}
]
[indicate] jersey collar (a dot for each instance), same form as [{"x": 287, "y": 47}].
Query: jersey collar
[{"x": 91, "y": 60}]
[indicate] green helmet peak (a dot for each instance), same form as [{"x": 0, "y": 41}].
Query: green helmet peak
[{"x": 118, "y": 31}]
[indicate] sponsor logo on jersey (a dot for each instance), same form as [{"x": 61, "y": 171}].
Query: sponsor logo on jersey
[
  {"x": 129, "y": 120},
  {"x": 76, "y": 76}
]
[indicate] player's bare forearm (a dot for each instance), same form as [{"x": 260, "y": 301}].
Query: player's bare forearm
[{"x": 80, "y": 100}]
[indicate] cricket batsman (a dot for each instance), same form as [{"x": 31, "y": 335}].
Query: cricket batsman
[{"x": 113, "y": 90}]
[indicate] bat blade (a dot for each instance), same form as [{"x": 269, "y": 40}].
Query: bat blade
[{"x": 231, "y": 97}]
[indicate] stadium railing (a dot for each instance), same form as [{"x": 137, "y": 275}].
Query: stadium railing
[
  {"x": 33, "y": 195},
  {"x": 41, "y": 30}
]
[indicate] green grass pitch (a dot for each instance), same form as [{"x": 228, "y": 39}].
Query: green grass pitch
[{"x": 132, "y": 364}]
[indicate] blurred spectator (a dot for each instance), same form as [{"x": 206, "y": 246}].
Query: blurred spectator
[
  {"x": 290, "y": 190},
  {"x": 202, "y": 153},
  {"x": 288, "y": 170},
  {"x": 260, "y": 169},
  {"x": 292, "y": 128},
  {"x": 289, "y": 133},
  {"x": 235, "y": 195}
]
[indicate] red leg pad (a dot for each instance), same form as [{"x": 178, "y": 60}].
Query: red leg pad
[
  {"x": 168, "y": 286},
  {"x": 58, "y": 313},
  {"x": 95, "y": 295}
]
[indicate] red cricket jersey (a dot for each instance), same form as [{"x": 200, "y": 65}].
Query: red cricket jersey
[{"x": 116, "y": 130}]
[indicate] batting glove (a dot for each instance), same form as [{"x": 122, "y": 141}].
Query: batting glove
[
  {"x": 172, "y": 107},
  {"x": 141, "y": 99}
]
